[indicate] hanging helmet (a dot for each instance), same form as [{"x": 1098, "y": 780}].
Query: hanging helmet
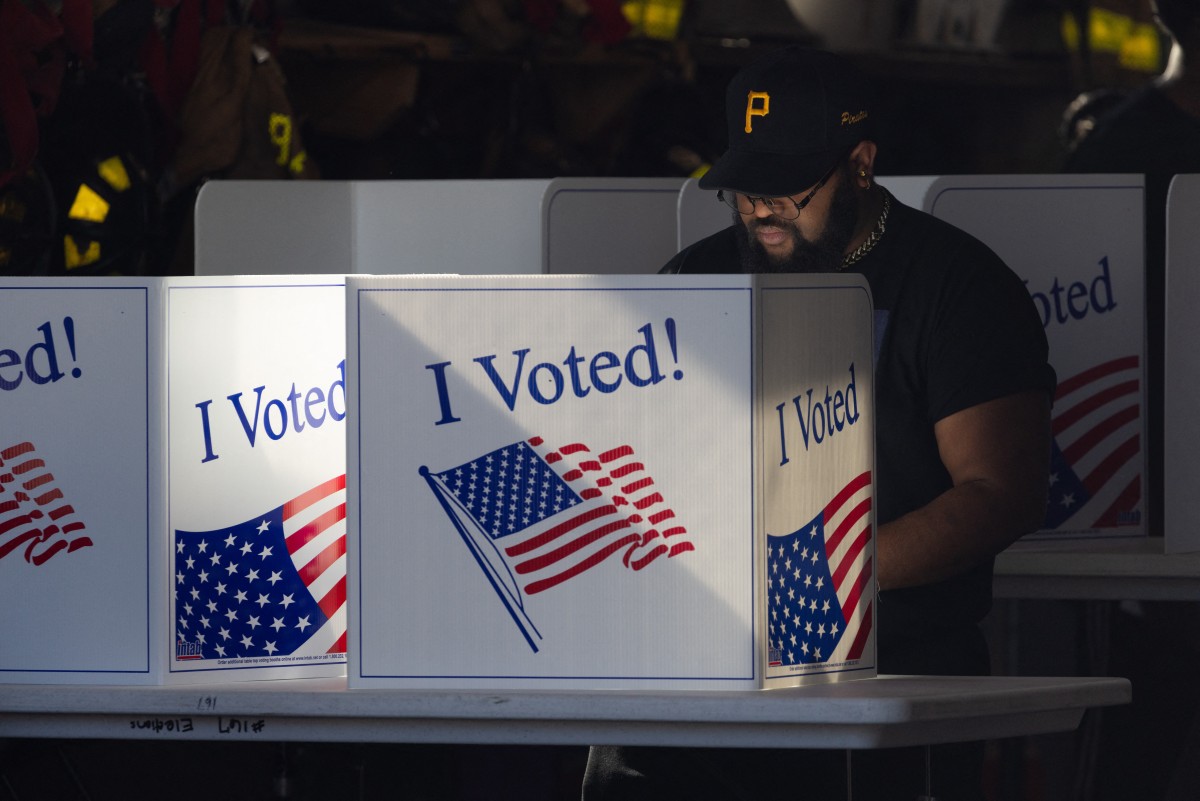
[{"x": 96, "y": 148}]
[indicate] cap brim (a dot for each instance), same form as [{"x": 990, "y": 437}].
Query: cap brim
[{"x": 767, "y": 174}]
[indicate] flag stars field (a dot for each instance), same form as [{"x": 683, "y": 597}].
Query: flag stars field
[
  {"x": 293, "y": 546},
  {"x": 808, "y": 622},
  {"x": 551, "y": 516}
]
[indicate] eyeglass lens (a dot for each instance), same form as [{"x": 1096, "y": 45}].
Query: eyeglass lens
[{"x": 744, "y": 204}]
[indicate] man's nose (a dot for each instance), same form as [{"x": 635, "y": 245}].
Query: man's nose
[{"x": 761, "y": 209}]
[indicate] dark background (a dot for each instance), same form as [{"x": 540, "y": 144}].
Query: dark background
[{"x": 478, "y": 89}]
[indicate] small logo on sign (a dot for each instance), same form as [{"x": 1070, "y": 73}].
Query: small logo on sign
[{"x": 188, "y": 650}]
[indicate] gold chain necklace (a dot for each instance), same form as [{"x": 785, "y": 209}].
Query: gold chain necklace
[{"x": 876, "y": 235}]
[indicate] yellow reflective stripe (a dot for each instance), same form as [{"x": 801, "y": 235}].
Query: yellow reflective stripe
[
  {"x": 658, "y": 19},
  {"x": 88, "y": 205},
  {"x": 112, "y": 170},
  {"x": 1135, "y": 44},
  {"x": 73, "y": 258},
  {"x": 1142, "y": 50},
  {"x": 279, "y": 129},
  {"x": 296, "y": 165}
]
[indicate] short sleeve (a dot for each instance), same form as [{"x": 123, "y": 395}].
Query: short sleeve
[{"x": 987, "y": 339}]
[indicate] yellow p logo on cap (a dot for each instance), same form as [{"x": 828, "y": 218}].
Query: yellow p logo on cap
[{"x": 758, "y": 104}]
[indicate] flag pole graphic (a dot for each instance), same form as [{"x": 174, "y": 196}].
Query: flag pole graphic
[{"x": 487, "y": 555}]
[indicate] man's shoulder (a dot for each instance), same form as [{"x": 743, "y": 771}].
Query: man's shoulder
[
  {"x": 925, "y": 233},
  {"x": 928, "y": 257},
  {"x": 715, "y": 253}
]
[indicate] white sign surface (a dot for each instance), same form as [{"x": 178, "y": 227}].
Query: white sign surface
[
  {"x": 1077, "y": 242},
  {"x": 78, "y": 479},
  {"x": 256, "y": 437},
  {"x": 172, "y": 480}
]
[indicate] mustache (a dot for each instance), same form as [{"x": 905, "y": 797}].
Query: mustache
[{"x": 755, "y": 223}]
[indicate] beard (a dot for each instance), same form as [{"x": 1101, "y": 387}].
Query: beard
[{"x": 822, "y": 255}]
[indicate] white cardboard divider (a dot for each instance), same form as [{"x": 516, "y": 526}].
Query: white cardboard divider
[
  {"x": 148, "y": 423},
  {"x": 1181, "y": 369},
  {"x": 700, "y": 213},
  {"x": 469, "y": 227},
  {"x": 82, "y": 513},
  {"x": 307, "y": 227},
  {"x": 609, "y": 225},
  {"x": 610, "y": 481},
  {"x": 274, "y": 227},
  {"x": 1077, "y": 241},
  {"x": 256, "y": 448}
]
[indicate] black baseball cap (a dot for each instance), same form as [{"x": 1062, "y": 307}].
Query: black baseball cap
[{"x": 791, "y": 115}]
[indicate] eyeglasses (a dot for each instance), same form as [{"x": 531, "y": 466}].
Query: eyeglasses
[{"x": 779, "y": 206}]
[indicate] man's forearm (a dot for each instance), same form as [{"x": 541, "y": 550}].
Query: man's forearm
[{"x": 956, "y": 531}]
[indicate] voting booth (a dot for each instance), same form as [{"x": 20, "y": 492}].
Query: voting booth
[
  {"x": 1077, "y": 242},
  {"x": 610, "y": 481},
  {"x": 471, "y": 227},
  {"x": 1181, "y": 368},
  {"x": 172, "y": 479}
]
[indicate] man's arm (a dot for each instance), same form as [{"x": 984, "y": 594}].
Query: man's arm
[{"x": 998, "y": 455}]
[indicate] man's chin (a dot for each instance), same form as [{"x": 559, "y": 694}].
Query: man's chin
[
  {"x": 806, "y": 260},
  {"x": 799, "y": 258}
]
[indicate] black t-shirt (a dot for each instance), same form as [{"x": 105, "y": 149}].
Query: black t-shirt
[{"x": 954, "y": 327}]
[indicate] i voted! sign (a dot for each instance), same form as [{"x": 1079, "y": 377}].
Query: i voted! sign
[{"x": 590, "y": 480}]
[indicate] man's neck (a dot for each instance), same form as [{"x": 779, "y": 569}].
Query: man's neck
[{"x": 870, "y": 206}]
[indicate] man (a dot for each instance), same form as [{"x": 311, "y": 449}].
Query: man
[{"x": 962, "y": 412}]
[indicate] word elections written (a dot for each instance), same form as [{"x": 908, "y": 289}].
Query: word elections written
[
  {"x": 1061, "y": 304},
  {"x": 188, "y": 725},
  {"x": 817, "y": 419},
  {"x": 295, "y": 412},
  {"x": 548, "y": 382},
  {"x": 42, "y": 361}
]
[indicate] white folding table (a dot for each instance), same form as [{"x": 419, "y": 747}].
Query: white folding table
[{"x": 869, "y": 713}]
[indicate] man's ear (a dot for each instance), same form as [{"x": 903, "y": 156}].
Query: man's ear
[{"x": 862, "y": 162}]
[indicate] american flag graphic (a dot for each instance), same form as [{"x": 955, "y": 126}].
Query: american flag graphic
[
  {"x": 33, "y": 513},
  {"x": 818, "y": 580},
  {"x": 1095, "y": 478},
  {"x": 273, "y": 585},
  {"x": 535, "y": 517}
]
